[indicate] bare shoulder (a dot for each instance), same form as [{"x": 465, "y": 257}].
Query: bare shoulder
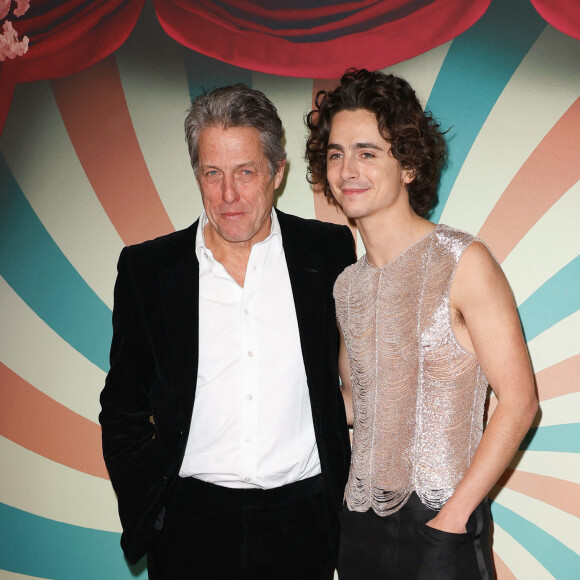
[
  {"x": 477, "y": 257},
  {"x": 479, "y": 279}
]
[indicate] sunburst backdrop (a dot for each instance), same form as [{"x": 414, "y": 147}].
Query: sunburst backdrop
[{"x": 97, "y": 160}]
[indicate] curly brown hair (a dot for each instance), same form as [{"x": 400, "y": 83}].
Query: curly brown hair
[{"x": 415, "y": 137}]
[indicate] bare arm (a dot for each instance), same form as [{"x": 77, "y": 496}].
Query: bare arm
[
  {"x": 344, "y": 372},
  {"x": 487, "y": 323}
]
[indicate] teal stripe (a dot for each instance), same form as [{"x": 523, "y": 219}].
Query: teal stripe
[
  {"x": 205, "y": 73},
  {"x": 556, "y": 299},
  {"x": 37, "y": 546},
  {"x": 564, "y": 438},
  {"x": 557, "y": 558},
  {"x": 34, "y": 266},
  {"x": 478, "y": 65}
]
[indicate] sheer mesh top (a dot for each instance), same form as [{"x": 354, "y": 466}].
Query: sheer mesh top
[{"x": 418, "y": 396}]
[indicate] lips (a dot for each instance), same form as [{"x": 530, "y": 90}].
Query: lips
[
  {"x": 352, "y": 191},
  {"x": 353, "y": 188},
  {"x": 232, "y": 215}
]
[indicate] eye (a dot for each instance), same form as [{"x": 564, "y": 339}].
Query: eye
[
  {"x": 245, "y": 174},
  {"x": 333, "y": 156},
  {"x": 367, "y": 155}
]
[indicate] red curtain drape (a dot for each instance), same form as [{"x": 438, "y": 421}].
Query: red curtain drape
[
  {"x": 320, "y": 41},
  {"x": 561, "y": 14},
  {"x": 312, "y": 39},
  {"x": 65, "y": 37}
]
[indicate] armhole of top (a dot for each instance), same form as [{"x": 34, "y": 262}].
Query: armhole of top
[{"x": 448, "y": 291}]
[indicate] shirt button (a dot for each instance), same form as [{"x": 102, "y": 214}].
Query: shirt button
[
  {"x": 247, "y": 479},
  {"x": 249, "y": 397},
  {"x": 250, "y": 354},
  {"x": 246, "y": 311}
]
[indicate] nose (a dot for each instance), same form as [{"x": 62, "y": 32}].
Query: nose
[
  {"x": 349, "y": 169},
  {"x": 229, "y": 193}
]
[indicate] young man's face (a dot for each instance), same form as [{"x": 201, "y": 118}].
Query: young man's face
[
  {"x": 363, "y": 175},
  {"x": 236, "y": 186}
]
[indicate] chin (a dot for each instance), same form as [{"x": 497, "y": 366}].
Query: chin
[
  {"x": 235, "y": 238},
  {"x": 353, "y": 214}
]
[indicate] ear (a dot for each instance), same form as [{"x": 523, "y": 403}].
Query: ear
[
  {"x": 279, "y": 174},
  {"x": 408, "y": 176}
]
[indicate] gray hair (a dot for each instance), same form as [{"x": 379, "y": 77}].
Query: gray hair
[{"x": 236, "y": 106}]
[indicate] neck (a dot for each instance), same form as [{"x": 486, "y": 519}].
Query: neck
[
  {"x": 233, "y": 256},
  {"x": 388, "y": 234}
]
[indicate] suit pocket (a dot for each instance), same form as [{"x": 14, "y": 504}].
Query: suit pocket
[{"x": 435, "y": 535}]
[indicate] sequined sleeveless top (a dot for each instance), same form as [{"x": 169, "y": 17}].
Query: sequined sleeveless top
[{"x": 418, "y": 396}]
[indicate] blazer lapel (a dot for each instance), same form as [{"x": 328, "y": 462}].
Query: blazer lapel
[{"x": 306, "y": 269}]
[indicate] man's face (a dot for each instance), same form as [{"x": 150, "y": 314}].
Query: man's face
[
  {"x": 236, "y": 186},
  {"x": 364, "y": 177}
]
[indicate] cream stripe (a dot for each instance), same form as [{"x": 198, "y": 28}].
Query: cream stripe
[
  {"x": 421, "y": 72},
  {"x": 30, "y": 348},
  {"x": 51, "y": 490},
  {"x": 556, "y": 522},
  {"x": 360, "y": 246},
  {"x": 158, "y": 110},
  {"x": 531, "y": 103},
  {"x": 293, "y": 99},
  {"x": 557, "y": 343},
  {"x": 57, "y": 188},
  {"x": 521, "y": 563},
  {"x": 556, "y": 464},
  {"x": 560, "y": 410},
  {"x": 551, "y": 244}
]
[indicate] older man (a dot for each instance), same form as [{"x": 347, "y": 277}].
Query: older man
[{"x": 224, "y": 430}]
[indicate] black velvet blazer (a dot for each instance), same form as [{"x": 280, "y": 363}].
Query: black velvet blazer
[{"x": 149, "y": 392}]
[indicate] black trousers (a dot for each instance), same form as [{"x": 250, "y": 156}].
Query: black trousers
[
  {"x": 401, "y": 547},
  {"x": 215, "y": 533}
]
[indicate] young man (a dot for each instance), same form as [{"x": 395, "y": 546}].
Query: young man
[
  {"x": 428, "y": 321},
  {"x": 224, "y": 430}
]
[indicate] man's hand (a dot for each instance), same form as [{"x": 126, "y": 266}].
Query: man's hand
[{"x": 447, "y": 523}]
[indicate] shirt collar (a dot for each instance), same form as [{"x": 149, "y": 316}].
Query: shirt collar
[{"x": 275, "y": 236}]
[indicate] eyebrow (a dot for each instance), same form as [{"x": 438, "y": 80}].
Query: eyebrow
[
  {"x": 248, "y": 163},
  {"x": 354, "y": 146}
]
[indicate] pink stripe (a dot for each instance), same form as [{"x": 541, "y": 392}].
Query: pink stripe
[
  {"x": 560, "y": 379},
  {"x": 93, "y": 107},
  {"x": 35, "y": 421},
  {"x": 550, "y": 171},
  {"x": 501, "y": 570},
  {"x": 559, "y": 493}
]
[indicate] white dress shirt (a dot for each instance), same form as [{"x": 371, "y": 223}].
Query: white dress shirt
[{"x": 252, "y": 420}]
